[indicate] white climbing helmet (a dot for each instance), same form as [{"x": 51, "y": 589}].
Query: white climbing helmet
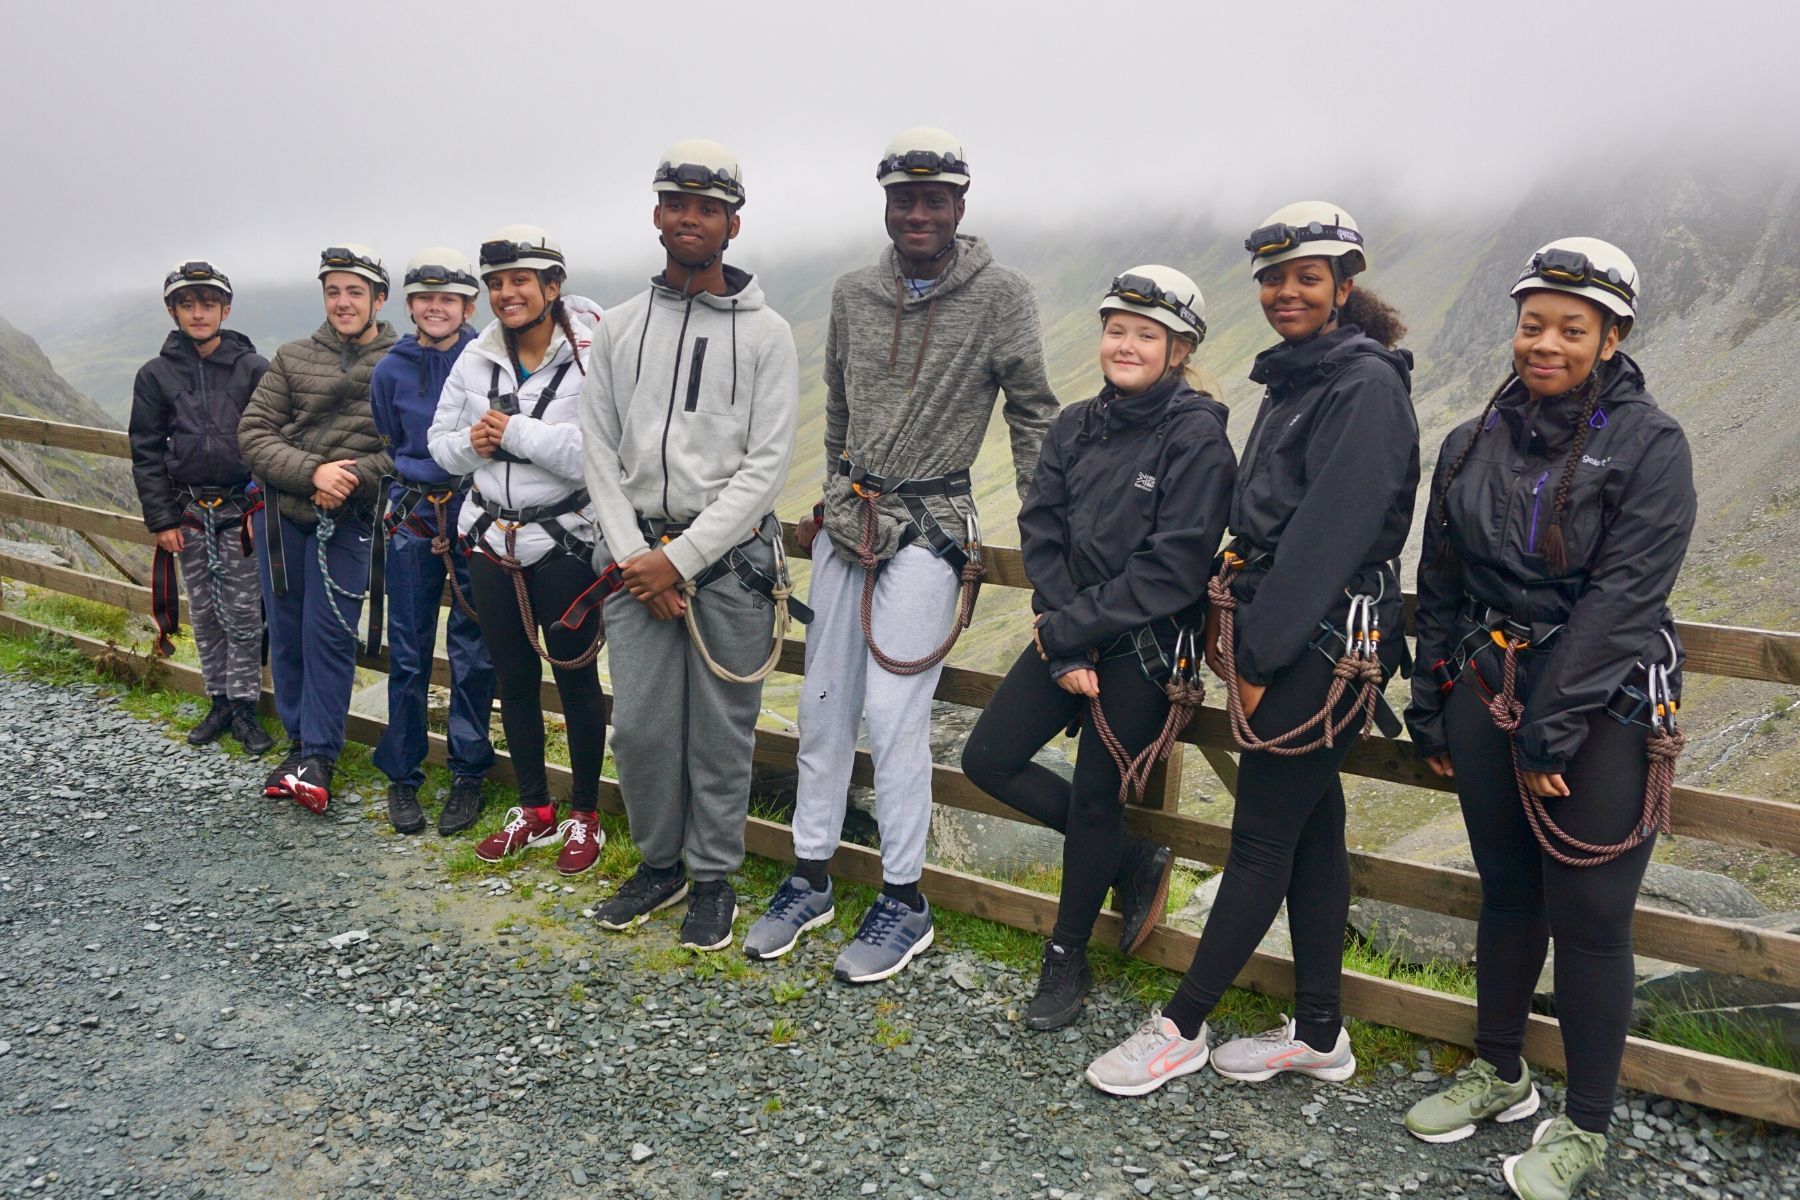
[
  {"x": 1163, "y": 294},
  {"x": 1589, "y": 268},
  {"x": 700, "y": 167},
  {"x": 521, "y": 247},
  {"x": 355, "y": 258},
  {"x": 1307, "y": 229},
  {"x": 924, "y": 155},
  {"x": 440, "y": 269},
  {"x": 195, "y": 272}
]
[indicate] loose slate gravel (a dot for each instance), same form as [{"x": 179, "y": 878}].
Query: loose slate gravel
[{"x": 175, "y": 1021}]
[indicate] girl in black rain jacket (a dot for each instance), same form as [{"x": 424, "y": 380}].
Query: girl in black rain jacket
[
  {"x": 1559, "y": 520},
  {"x": 1324, "y": 499},
  {"x": 1124, "y": 515}
]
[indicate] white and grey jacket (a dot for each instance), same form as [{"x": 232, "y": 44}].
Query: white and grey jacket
[
  {"x": 549, "y": 442},
  {"x": 689, "y": 410}
]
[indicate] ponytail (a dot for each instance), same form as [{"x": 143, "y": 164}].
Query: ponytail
[{"x": 1374, "y": 316}]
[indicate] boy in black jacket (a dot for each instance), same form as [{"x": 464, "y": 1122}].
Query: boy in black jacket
[{"x": 191, "y": 484}]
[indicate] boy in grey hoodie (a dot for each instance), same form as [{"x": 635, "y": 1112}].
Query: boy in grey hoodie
[
  {"x": 918, "y": 347},
  {"x": 688, "y": 420}
]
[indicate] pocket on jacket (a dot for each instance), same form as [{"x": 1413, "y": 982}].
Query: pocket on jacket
[{"x": 696, "y": 373}]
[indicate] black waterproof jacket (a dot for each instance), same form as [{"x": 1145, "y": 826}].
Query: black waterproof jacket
[
  {"x": 184, "y": 421},
  {"x": 1324, "y": 494},
  {"x": 1626, "y": 525},
  {"x": 1124, "y": 515}
]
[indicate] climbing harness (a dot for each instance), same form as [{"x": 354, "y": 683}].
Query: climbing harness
[
  {"x": 1662, "y": 748},
  {"x": 544, "y": 516},
  {"x": 964, "y": 558},
  {"x": 1186, "y": 692},
  {"x": 202, "y": 515},
  {"x": 405, "y": 515},
  {"x": 776, "y": 589},
  {"x": 1359, "y": 663}
]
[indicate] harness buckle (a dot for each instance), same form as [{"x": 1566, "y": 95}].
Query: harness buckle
[
  {"x": 443, "y": 497},
  {"x": 1507, "y": 641},
  {"x": 866, "y": 483},
  {"x": 215, "y": 502}
]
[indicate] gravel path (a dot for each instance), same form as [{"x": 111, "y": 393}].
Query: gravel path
[{"x": 175, "y": 1021}]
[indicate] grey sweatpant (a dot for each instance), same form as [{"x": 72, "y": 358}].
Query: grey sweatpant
[
  {"x": 224, "y": 604},
  {"x": 915, "y": 602},
  {"x": 682, "y": 737}
]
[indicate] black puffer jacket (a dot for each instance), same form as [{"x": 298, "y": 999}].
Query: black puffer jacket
[
  {"x": 1124, "y": 515},
  {"x": 1324, "y": 495},
  {"x": 1626, "y": 524},
  {"x": 184, "y": 421}
]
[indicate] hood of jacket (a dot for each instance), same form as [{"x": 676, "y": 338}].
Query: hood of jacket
[
  {"x": 742, "y": 292},
  {"x": 1112, "y": 411},
  {"x": 1553, "y": 420},
  {"x": 232, "y": 346},
  {"x": 1289, "y": 364}
]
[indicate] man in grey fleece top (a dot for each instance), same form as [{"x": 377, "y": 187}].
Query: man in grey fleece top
[
  {"x": 687, "y": 422},
  {"x": 919, "y": 345}
]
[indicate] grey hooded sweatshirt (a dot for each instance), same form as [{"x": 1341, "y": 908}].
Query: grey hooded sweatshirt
[
  {"x": 911, "y": 380},
  {"x": 688, "y": 415}
]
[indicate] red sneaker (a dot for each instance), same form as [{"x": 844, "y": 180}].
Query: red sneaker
[
  {"x": 310, "y": 786},
  {"x": 523, "y": 830},
  {"x": 582, "y": 842}
]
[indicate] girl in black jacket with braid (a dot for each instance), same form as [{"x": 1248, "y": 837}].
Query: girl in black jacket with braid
[
  {"x": 1124, "y": 515},
  {"x": 1324, "y": 500},
  {"x": 1548, "y": 673}
]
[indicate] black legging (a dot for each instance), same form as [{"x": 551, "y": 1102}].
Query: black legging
[
  {"x": 1025, "y": 713},
  {"x": 1287, "y": 843},
  {"x": 1526, "y": 896},
  {"x": 553, "y": 583}
]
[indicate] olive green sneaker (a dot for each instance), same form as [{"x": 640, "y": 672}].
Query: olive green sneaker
[
  {"x": 1562, "y": 1154},
  {"x": 1479, "y": 1094}
]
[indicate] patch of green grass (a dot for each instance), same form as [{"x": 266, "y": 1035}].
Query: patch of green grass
[
  {"x": 890, "y": 1036},
  {"x": 577, "y": 993},
  {"x": 1451, "y": 978},
  {"x": 786, "y": 991},
  {"x": 772, "y": 1105},
  {"x": 781, "y": 1032},
  {"x": 1696, "y": 1024}
]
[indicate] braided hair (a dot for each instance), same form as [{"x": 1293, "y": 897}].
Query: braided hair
[
  {"x": 1554, "y": 552},
  {"x": 1441, "y": 509}
]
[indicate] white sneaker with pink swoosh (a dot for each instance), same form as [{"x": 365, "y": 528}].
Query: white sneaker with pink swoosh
[
  {"x": 1269, "y": 1053},
  {"x": 1149, "y": 1058}
]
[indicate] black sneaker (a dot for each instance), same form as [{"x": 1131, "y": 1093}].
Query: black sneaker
[
  {"x": 248, "y": 730},
  {"x": 1141, "y": 889},
  {"x": 1063, "y": 984},
  {"x": 404, "y": 813},
  {"x": 463, "y": 807},
  {"x": 213, "y": 725},
  {"x": 310, "y": 786},
  {"x": 712, "y": 907},
  {"x": 277, "y": 782},
  {"x": 638, "y": 897}
]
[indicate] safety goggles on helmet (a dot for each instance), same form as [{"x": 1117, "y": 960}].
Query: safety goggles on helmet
[
  {"x": 1280, "y": 237},
  {"x": 1140, "y": 289},
  {"x": 337, "y": 258},
  {"x": 435, "y": 277},
  {"x": 501, "y": 254},
  {"x": 1572, "y": 268},
  {"x": 922, "y": 163},
  {"x": 195, "y": 274},
  {"x": 695, "y": 177}
]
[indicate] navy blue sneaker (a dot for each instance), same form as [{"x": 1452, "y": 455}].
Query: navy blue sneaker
[
  {"x": 796, "y": 908},
  {"x": 891, "y": 936}
]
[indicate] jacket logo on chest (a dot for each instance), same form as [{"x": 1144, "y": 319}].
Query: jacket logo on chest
[
  {"x": 1144, "y": 483},
  {"x": 1591, "y": 461}
]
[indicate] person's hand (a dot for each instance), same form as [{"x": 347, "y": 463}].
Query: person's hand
[
  {"x": 1037, "y": 637},
  {"x": 1545, "y": 783},
  {"x": 650, "y": 574},
  {"x": 1082, "y": 681},
  {"x": 1440, "y": 763},
  {"x": 1209, "y": 644},
  {"x": 666, "y": 605},
  {"x": 807, "y": 528},
  {"x": 485, "y": 434},
  {"x": 171, "y": 540},
  {"x": 1250, "y": 695},
  {"x": 336, "y": 480},
  {"x": 325, "y": 500}
]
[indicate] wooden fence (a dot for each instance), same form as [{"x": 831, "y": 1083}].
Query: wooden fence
[{"x": 1727, "y": 947}]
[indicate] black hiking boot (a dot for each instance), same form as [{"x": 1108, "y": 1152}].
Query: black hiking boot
[
  {"x": 1141, "y": 889},
  {"x": 248, "y": 730},
  {"x": 1063, "y": 984},
  {"x": 463, "y": 807},
  {"x": 404, "y": 812},
  {"x": 213, "y": 725}
]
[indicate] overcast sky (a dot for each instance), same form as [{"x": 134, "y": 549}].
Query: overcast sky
[{"x": 135, "y": 135}]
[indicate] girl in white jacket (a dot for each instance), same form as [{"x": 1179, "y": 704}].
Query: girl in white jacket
[{"x": 508, "y": 416}]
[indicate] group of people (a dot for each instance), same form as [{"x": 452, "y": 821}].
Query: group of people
[{"x": 568, "y": 478}]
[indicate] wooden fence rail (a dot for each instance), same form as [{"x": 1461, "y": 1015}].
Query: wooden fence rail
[{"x": 1722, "y": 946}]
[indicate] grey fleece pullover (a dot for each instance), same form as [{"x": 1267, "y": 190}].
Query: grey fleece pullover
[
  {"x": 911, "y": 380},
  {"x": 688, "y": 415}
]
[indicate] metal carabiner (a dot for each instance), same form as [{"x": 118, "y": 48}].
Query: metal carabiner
[{"x": 972, "y": 527}]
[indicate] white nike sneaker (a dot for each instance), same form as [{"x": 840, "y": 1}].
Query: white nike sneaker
[{"x": 1149, "y": 1058}]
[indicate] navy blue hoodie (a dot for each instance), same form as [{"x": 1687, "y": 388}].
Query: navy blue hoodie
[{"x": 404, "y": 394}]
